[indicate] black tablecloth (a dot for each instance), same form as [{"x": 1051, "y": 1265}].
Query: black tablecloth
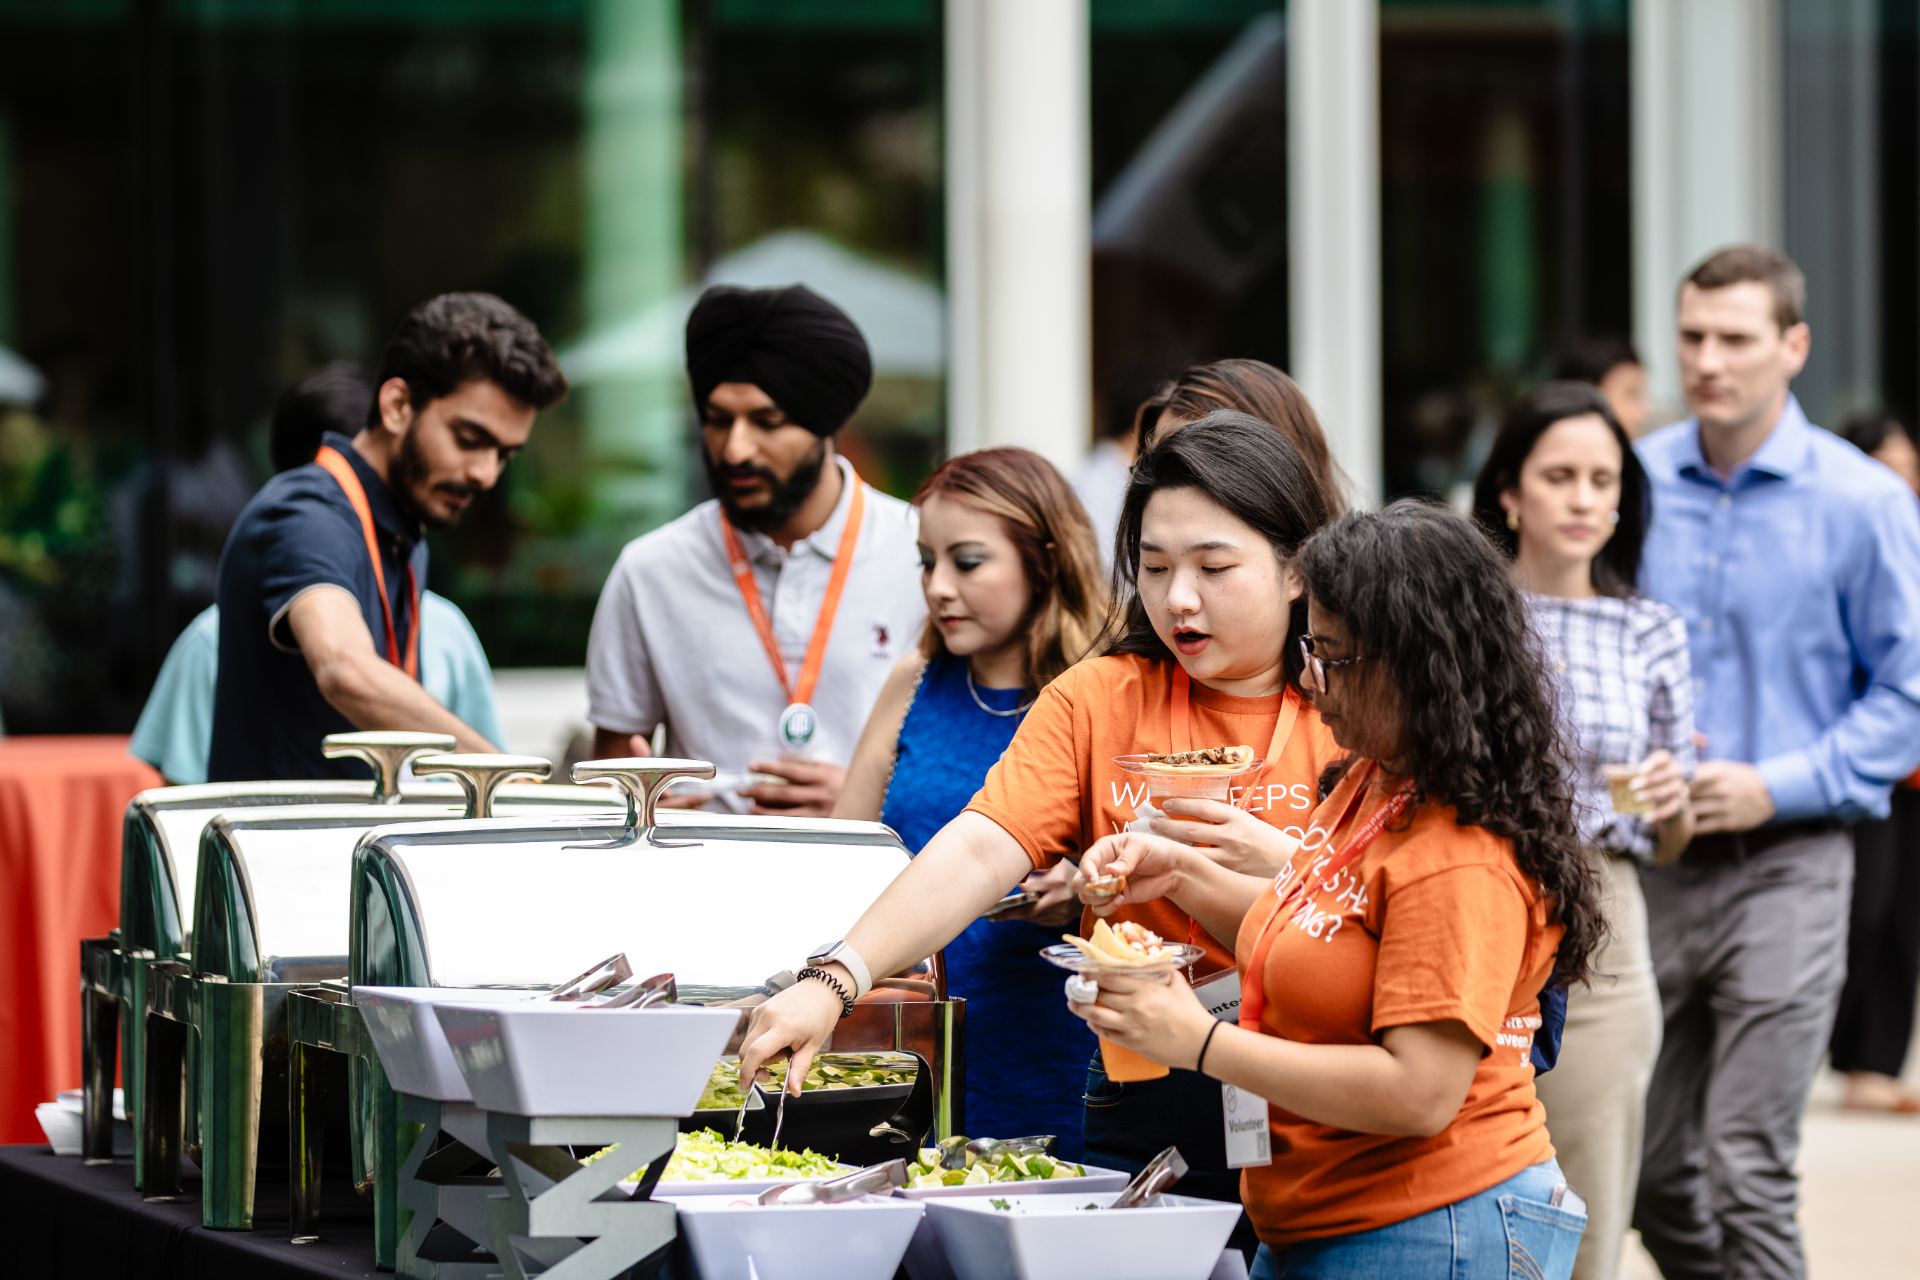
[{"x": 59, "y": 1217}]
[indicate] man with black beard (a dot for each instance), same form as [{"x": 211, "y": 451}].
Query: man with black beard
[
  {"x": 320, "y": 582},
  {"x": 760, "y": 626}
]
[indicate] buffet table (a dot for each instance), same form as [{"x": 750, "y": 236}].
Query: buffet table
[
  {"x": 61, "y": 1217},
  {"x": 61, "y": 804}
]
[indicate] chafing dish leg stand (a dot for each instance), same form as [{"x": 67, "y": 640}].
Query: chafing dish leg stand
[
  {"x": 551, "y": 1215},
  {"x": 443, "y": 1208},
  {"x": 102, "y": 979},
  {"x": 321, "y": 1020},
  {"x": 168, "y": 1106}
]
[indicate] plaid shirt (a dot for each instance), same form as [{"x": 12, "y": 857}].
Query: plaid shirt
[{"x": 1621, "y": 674}]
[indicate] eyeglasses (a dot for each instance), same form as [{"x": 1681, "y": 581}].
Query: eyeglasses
[{"x": 1314, "y": 670}]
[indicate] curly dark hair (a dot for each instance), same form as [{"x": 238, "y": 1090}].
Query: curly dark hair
[
  {"x": 456, "y": 338},
  {"x": 1431, "y": 603},
  {"x": 1250, "y": 469}
]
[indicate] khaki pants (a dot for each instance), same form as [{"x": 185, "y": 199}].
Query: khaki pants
[{"x": 1596, "y": 1097}]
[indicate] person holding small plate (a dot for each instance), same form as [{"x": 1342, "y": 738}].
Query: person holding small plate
[
  {"x": 1563, "y": 494},
  {"x": 1391, "y": 980},
  {"x": 1208, "y": 655}
]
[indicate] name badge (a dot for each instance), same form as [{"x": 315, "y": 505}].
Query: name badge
[
  {"x": 1221, "y": 995},
  {"x": 1249, "y": 1142}
]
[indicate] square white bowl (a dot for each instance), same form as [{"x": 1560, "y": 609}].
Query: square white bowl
[
  {"x": 538, "y": 1058},
  {"x": 860, "y": 1240},
  {"x": 412, "y": 1045},
  {"x": 1039, "y": 1237},
  {"x": 926, "y": 1260}
]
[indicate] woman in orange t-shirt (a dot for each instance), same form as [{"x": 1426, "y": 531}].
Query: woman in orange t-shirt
[
  {"x": 1213, "y": 515},
  {"x": 1392, "y": 976}
]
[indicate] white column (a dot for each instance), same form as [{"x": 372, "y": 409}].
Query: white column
[
  {"x": 1333, "y": 211},
  {"x": 1706, "y": 153},
  {"x": 1017, "y": 227}
]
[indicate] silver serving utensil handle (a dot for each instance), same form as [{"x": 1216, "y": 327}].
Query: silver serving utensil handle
[
  {"x": 610, "y": 972},
  {"x": 866, "y": 1182},
  {"x": 386, "y": 752},
  {"x": 740, "y": 1117},
  {"x": 481, "y": 775},
  {"x": 642, "y": 779},
  {"x": 953, "y": 1151},
  {"x": 780, "y": 1111},
  {"x": 659, "y": 989},
  {"x": 1161, "y": 1172},
  {"x": 988, "y": 1149}
]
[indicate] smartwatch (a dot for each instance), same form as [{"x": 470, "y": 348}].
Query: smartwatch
[{"x": 842, "y": 952}]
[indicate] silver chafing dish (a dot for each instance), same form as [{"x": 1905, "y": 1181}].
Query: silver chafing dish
[
  {"x": 270, "y": 913},
  {"x": 721, "y": 901}
]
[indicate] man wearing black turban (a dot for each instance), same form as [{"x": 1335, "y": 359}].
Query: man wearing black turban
[{"x": 760, "y": 628}]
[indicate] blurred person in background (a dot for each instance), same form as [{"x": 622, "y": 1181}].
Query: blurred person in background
[
  {"x": 760, "y": 627},
  {"x": 176, "y": 725},
  {"x": 1874, "y": 1028},
  {"x": 1252, "y": 387},
  {"x": 1563, "y": 496},
  {"x": 1611, "y": 364},
  {"x": 321, "y": 578},
  {"x": 1795, "y": 561},
  {"x": 1014, "y": 596}
]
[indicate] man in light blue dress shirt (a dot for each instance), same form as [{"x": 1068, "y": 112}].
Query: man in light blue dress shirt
[{"x": 1795, "y": 560}]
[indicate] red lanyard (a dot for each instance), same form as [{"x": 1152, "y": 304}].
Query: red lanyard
[
  {"x": 343, "y": 474},
  {"x": 1253, "y": 993},
  {"x": 1181, "y": 713},
  {"x": 829, "y": 604}
]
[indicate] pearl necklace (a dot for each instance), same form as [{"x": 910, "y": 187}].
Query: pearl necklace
[{"x": 992, "y": 711}]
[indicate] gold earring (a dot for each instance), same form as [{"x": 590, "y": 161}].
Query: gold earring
[{"x": 1513, "y": 520}]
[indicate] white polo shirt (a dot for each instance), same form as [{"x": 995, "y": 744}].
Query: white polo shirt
[{"x": 673, "y": 643}]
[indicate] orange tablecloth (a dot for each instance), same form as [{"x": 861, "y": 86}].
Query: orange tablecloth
[{"x": 61, "y": 802}]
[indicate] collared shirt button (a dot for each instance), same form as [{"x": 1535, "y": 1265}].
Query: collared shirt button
[{"x": 1726, "y": 500}]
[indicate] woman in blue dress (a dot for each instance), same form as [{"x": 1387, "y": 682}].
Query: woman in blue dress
[{"x": 1014, "y": 597}]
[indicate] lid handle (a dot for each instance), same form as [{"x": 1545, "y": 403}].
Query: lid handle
[
  {"x": 481, "y": 775},
  {"x": 641, "y": 779},
  {"x": 387, "y": 751}
]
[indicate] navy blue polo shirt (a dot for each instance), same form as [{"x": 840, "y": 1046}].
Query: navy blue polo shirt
[{"x": 299, "y": 532}]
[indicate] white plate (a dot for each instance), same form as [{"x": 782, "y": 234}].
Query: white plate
[
  {"x": 538, "y": 1058},
  {"x": 861, "y": 1240},
  {"x": 1042, "y": 1236}
]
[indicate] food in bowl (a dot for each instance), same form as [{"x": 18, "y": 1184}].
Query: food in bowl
[
  {"x": 1126, "y": 944},
  {"x": 1205, "y": 760},
  {"x": 829, "y": 1071},
  {"x": 706, "y": 1156},
  {"x": 1006, "y": 1166}
]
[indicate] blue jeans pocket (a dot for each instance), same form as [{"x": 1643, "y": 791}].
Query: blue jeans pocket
[
  {"x": 1101, "y": 1092},
  {"x": 1542, "y": 1239}
]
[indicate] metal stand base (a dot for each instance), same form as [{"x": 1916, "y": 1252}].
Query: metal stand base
[
  {"x": 552, "y": 1221},
  {"x": 443, "y": 1214}
]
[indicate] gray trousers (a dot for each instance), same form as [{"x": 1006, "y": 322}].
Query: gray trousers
[{"x": 1749, "y": 937}]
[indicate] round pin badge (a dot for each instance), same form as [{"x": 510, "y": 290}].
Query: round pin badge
[{"x": 798, "y": 725}]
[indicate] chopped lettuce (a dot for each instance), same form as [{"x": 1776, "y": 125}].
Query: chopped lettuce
[
  {"x": 705, "y": 1156},
  {"x": 829, "y": 1071}
]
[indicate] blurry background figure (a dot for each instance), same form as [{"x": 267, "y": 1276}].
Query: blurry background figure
[
  {"x": 1611, "y": 364},
  {"x": 1014, "y": 597},
  {"x": 1564, "y": 496},
  {"x": 1252, "y": 387},
  {"x": 1874, "y": 1028},
  {"x": 177, "y": 723}
]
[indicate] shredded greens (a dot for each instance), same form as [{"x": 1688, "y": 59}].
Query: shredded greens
[
  {"x": 829, "y": 1071},
  {"x": 705, "y": 1156}
]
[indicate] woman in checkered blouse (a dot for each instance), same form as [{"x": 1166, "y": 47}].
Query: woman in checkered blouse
[{"x": 1564, "y": 495}]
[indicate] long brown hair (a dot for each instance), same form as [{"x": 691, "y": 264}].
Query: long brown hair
[
  {"x": 1067, "y": 600},
  {"x": 1252, "y": 387}
]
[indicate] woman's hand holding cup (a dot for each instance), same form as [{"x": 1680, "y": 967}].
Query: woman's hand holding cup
[{"x": 1231, "y": 836}]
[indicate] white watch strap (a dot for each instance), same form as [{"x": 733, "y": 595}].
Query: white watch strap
[{"x": 862, "y": 976}]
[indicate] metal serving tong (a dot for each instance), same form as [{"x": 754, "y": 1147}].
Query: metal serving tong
[
  {"x": 659, "y": 989},
  {"x": 875, "y": 1178},
  {"x": 1161, "y": 1172},
  {"x": 954, "y": 1150},
  {"x": 610, "y": 972}
]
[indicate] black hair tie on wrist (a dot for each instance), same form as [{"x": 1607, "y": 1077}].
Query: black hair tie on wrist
[
  {"x": 839, "y": 987},
  {"x": 1206, "y": 1044}
]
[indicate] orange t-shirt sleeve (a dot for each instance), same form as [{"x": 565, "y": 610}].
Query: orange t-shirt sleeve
[
  {"x": 1452, "y": 944},
  {"x": 1033, "y": 791}
]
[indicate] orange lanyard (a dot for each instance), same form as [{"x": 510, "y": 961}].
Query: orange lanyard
[
  {"x": 1181, "y": 713},
  {"x": 1253, "y": 994},
  {"x": 802, "y": 691},
  {"x": 342, "y": 472}
]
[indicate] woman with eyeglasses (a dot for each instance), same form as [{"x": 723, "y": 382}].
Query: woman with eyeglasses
[
  {"x": 1563, "y": 495},
  {"x": 1207, "y": 654},
  {"x": 1391, "y": 975}
]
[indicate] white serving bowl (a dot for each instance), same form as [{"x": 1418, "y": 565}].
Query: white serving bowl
[
  {"x": 407, "y": 1035},
  {"x": 539, "y": 1058},
  {"x": 1041, "y": 1237},
  {"x": 62, "y": 1120},
  {"x": 926, "y": 1260},
  {"x": 859, "y": 1240}
]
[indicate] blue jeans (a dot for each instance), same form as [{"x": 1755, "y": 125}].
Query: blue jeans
[{"x": 1512, "y": 1231}]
